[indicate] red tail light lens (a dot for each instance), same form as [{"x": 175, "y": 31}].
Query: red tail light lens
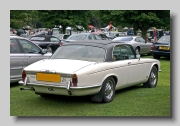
[
  {"x": 60, "y": 43},
  {"x": 152, "y": 48},
  {"x": 74, "y": 80},
  {"x": 23, "y": 75}
]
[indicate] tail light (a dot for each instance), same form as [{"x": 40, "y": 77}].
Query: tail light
[
  {"x": 23, "y": 75},
  {"x": 74, "y": 80},
  {"x": 60, "y": 43},
  {"x": 152, "y": 48}
]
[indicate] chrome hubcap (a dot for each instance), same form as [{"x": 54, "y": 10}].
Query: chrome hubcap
[
  {"x": 153, "y": 77},
  {"x": 109, "y": 89}
]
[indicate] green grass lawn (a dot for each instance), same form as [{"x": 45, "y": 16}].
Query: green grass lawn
[{"x": 134, "y": 101}]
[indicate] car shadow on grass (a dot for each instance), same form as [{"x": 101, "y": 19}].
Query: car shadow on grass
[
  {"x": 14, "y": 84},
  {"x": 82, "y": 99}
]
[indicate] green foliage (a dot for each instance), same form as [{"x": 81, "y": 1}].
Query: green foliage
[
  {"x": 139, "y": 19},
  {"x": 65, "y": 18},
  {"x": 21, "y": 18}
]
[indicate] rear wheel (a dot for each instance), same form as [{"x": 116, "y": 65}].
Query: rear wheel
[
  {"x": 108, "y": 90},
  {"x": 153, "y": 78}
]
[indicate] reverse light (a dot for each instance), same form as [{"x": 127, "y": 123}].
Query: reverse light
[
  {"x": 74, "y": 80},
  {"x": 23, "y": 75}
]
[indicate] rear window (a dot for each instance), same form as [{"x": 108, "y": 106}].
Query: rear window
[
  {"x": 164, "y": 39},
  {"x": 77, "y": 37},
  {"x": 80, "y": 52}
]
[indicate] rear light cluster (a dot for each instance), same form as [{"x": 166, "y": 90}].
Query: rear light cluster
[
  {"x": 153, "y": 48},
  {"x": 23, "y": 75},
  {"x": 60, "y": 43},
  {"x": 74, "y": 80}
]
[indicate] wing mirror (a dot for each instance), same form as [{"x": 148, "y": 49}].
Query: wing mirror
[{"x": 44, "y": 51}]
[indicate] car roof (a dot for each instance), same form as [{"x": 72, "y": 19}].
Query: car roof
[
  {"x": 106, "y": 44},
  {"x": 15, "y": 36},
  {"x": 47, "y": 36},
  {"x": 102, "y": 43}
]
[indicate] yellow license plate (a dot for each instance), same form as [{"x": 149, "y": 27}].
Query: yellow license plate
[
  {"x": 48, "y": 77},
  {"x": 164, "y": 48}
]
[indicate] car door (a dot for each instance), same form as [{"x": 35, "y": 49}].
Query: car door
[
  {"x": 137, "y": 68},
  {"x": 144, "y": 47},
  {"x": 122, "y": 67},
  {"x": 17, "y": 58},
  {"x": 32, "y": 52}
]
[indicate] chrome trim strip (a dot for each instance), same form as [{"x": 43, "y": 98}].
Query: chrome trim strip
[{"x": 58, "y": 86}]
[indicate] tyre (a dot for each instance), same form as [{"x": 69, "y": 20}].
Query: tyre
[
  {"x": 108, "y": 90},
  {"x": 49, "y": 49},
  {"x": 137, "y": 50},
  {"x": 156, "y": 57},
  {"x": 153, "y": 78}
]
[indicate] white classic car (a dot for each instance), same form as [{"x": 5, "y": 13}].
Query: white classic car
[{"x": 95, "y": 68}]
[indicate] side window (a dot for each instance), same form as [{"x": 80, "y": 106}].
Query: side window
[
  {"x": 54, "y": 40},
  {"x": 91, "y": 37},
  {"x": 137, "y": 39},
  {"x": 29, "y": 47},
  {"x": 142, "y": 40},
  {"x": 123, "y": 52},
  {"x": 98, "y": 37},
  {"x": 116, "y": 53},
  {"x": 14, "y": 48},
  {"x": 129, "y": 51}
]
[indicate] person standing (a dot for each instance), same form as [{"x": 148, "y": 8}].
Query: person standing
[
  {"x": 91, "y": 27},
  {"x": 49, "y": 32},
  {"x": 155, "y": 35},
  {"x": 130, "y": 31}
]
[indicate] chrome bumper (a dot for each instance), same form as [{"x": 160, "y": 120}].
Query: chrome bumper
[{"x": 61, "y": 90}]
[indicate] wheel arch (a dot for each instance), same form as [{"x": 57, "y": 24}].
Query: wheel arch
[{"x": 113, "y": 76}]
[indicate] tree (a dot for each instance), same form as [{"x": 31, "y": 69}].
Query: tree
[
  {"x": 139, "y": 19},
  {"x": 21, "y": 18},
  {"x": 65, "y": 18}
]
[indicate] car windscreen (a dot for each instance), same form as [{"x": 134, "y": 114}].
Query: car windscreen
[
  {"x": 77, "y": 37},
  {"x": 164, "y": 39},
  {"x": 123, "y": 39},
  {"x": 37, "y": 38},
  {"x": 80, "y": 52}
]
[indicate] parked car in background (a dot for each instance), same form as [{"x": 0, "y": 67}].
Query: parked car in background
[
  {"x": 139, "y": 44},
  {"x": 103, "y": 35},
  {"x": 95, "y": 68},
  {"x": 61, "y": 36},
  {"x": 23, "y": 53},
  {"x": 113, "y": 35},
  {"x": 49, "y": 42},
  {"x": 84, "y": 36},
  {"x": 161, "y": 47}
]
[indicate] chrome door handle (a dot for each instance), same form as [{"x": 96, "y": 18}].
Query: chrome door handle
[{"x": 129, "y": 63}]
